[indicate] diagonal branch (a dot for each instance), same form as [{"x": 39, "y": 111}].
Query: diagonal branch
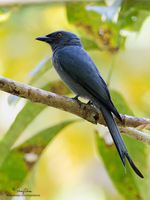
[{"x": 67, "y": 104}]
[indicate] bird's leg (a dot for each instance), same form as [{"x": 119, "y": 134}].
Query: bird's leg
[{"x": 76, "y": 98}]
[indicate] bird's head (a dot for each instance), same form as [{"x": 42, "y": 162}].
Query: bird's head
[{"x": 60, "y": 39}]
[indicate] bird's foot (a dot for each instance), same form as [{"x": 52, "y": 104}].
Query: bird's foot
[{"x": 76, "y": 98}]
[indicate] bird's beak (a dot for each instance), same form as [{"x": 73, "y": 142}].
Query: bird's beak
[{"x": 43, "y": 38}]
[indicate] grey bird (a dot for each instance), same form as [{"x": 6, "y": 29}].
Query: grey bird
[{"x": 78, "y": 71}]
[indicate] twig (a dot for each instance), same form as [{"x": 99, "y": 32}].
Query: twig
[
  {"x": 84, "y": 111},
  {"x": 135, "y": 134},
  {"x": 134, "y": 122}
]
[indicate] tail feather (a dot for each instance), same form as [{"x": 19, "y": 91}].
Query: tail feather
[
  {"x": 117, "y": 138},
  {"x": 133, "y": 166}
]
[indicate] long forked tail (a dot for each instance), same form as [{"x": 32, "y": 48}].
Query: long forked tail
[{"x": 117, "y": 138}]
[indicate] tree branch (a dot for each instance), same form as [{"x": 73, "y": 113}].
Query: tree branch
[
  {"x": 135, "y": 134},
  {"x": 13, "y": 2},
  {"x": 84, "y": 111}
]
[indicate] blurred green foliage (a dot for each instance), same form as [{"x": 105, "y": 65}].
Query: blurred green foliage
[
  {"x": 20, "y": 160},
  {"x": 20, "y": 53}
]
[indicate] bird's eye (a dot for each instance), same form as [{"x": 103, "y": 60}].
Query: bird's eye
[{"x": 59, "y": 35}]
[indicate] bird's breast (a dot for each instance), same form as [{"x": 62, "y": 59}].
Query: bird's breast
[{"x": 72, "y": 84}]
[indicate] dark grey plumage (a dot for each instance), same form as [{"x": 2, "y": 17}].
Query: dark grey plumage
[{"x": 78, "y": 71}]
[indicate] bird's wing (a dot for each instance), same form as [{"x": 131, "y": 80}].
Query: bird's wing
[{"x": 80, "y": 67}]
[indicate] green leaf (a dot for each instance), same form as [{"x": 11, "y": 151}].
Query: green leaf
[
  {"x": 24, "y": 118},
  {"x": 104, "y": 33},
  {"x": 129, "y": 185},
  {"x": 133, "y": 13},
  {"x": 21, "y": 159}
]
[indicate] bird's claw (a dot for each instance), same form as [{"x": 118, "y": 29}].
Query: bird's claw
[{"x": 76, "y": 99}]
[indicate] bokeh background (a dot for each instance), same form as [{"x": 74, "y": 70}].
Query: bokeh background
[{"x": 70, "y": 167}]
